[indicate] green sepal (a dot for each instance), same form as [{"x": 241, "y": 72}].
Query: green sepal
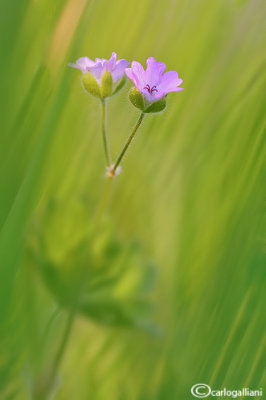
[
  {"x": 136, "y": 98},
  {"x": 107, "y": 84},
  {"x": 120, "y": 85},
  {"x": 157, "y": 106},
  {"x": 91, "y": 85}
]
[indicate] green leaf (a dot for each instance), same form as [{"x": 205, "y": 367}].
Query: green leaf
[{"x": 101, "y": 277}]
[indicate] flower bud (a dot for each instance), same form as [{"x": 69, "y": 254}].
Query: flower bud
[{"x": 91, "y": 85}]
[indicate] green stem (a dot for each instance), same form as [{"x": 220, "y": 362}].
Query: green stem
[
  {"x": 104, "y": 135},
  {"x": 129, "y": 140}
]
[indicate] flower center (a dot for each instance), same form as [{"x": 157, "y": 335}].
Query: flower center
[{"x": 150, "y": 89}]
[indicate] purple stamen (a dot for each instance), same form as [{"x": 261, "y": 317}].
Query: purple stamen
[{"x": 150, "y": 90}]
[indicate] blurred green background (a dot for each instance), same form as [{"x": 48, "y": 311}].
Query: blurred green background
[{"x": 173, "y": 284}]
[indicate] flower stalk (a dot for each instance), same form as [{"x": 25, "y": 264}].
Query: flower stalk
[
  {"x": 104, "y": 134},
  {"x": 126, "y": 145}
]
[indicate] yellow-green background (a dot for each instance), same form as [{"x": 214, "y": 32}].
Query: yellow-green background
[{"x": 190, "y": 197}]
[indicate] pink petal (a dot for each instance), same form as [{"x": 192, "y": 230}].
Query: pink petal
[
  {"x": 97, "y": 71},
  {"x": 153, "y": 72},
  {"x": 110, "y": 64},
  {"x": 139, "y": 73},
  {"x": 83, "y": 64},
  {"x": 130, "y": 74},
  {"x": 170, "y": 82},
  {"x": 156, "y": 65},
  {"x": 119, "y": 69}
]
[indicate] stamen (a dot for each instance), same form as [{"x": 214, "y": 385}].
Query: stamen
[
  {"x": 147, "y": 87},
  {"x": 150, "y": 90}
]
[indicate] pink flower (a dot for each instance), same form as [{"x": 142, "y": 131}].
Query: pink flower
[
  {"x": 100, "y": 65},
  {"x": 153, "y": 83}
]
